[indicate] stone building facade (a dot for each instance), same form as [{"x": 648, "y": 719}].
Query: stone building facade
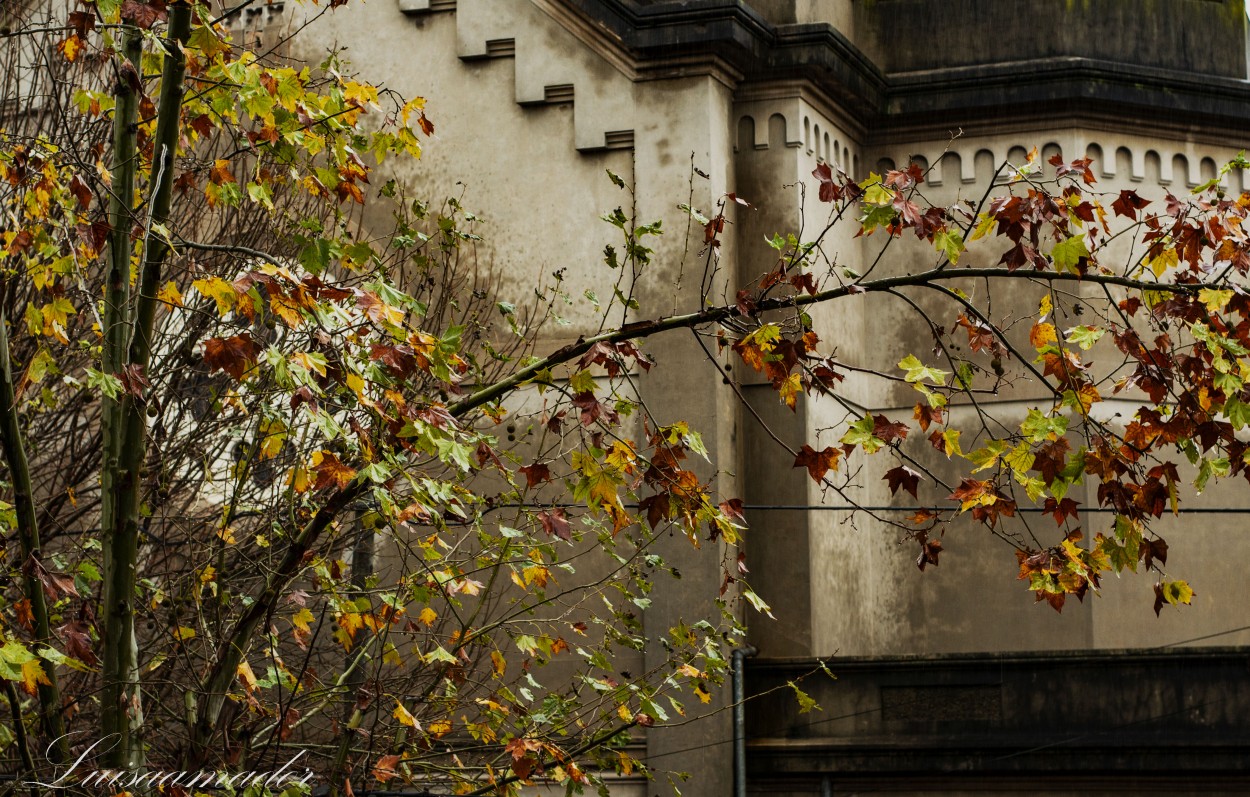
[{"x": 942, "y": 688}]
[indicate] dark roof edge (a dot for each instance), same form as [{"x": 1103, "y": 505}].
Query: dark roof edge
[
  {"x": 1031, "y": 658},
  {"x": 735, "y": 33}
]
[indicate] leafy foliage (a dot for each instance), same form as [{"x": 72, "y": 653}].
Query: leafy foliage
[{"x": 358, "y": 508}]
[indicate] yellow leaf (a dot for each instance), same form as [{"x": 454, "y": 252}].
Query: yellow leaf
[
  {"x": 182, "y": 632},
  {"x": 218, "y": 290},
  {"x": 703, "y": 695},
  {"x": 286, "y": 308},
  {"x": 1165, "y": 260},
  {"x": 33, "y": 675},
  {"x": 789, "y": 389},
  {"x": 405, "y": 718},
  {"x": 170, "y": 294},
  {"x": 246, "y": 676},
  {"x": 300, "y": 479},
  {"x": 310, "y": 363},
  {"x": 71, "y": 47},
  {"x": 1044, "y": 308},
  {"x": 440, "y": 728},
  {"x": 498, "y": 662},
  {"x": 1042, "y": 335},
  {"x": 302, "y": 620},
  {"x": 428, "y": 616}
]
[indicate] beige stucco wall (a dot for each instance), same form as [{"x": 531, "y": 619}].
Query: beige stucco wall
[{"x": 528, "y": 116}]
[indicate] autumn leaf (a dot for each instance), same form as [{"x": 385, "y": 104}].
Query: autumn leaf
[
  {"x": 535, "y": 473},
  {"x": 1128, "y": 203},
  {"x": 555, "y": 523},
  {"x": 902, "y": 477},
  {"x": 331, "y": 471},
  {"x": 818, "y": 463},
  {"x": 235, "y": 355}
]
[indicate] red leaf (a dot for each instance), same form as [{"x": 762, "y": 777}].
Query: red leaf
[{"x": 1128, "y": 204}]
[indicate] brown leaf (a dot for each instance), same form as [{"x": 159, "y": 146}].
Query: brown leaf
[
  {"x": 818, "y": 463},
  {"x": 55, "y": 585},
  {"x": 80, "y": 191},
  {"x": 331, "y": 471},
  {"x": 25, "y": 617},
  {"x": 555, "y": 523},
  {"x": 1128, "y": 203},
  {"x": 536, "y": 473},
  {"x": 929, "y": 552},
  {"x": 133, "y": 380},
  {"x": 906, "y": 478},
  {"x": 235, "y": 355},
  {"x": 143, "y": 14},
  {"x": 386, "y": 768},
  {"x": 77, "y": 639},
  {"x": 732, "y": 509}
]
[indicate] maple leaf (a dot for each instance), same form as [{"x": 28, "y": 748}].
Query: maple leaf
[
  {"x": 387, "y": 767},
  {"x": 1128, "y": 203},
  {"x": 25, "y": 617},
  {"x": 75, "y": 634},
  {"x": 886, "y": 430},
  {"x": 732, "y": 509},
  {"x": 904, "y": 477},
  {"x": 235, "y": 355},
  {"x": 536, "y": 473},
  {"x": 331, "y": 471},
  {"x": 143, "y": 14},
  {"x": 818, "y": 463}
]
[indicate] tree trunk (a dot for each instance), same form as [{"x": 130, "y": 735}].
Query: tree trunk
[
  {"x": 28, "y": 538},
  {"x": 127, "y": 352},
  {"x": 120, "y": 710}
]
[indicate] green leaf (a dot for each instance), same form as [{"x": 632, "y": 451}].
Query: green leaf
[
  {"x": 806, "y": 702},
  {"x": 1218, "y": 467},
  {"x": 1038, "y": 427},
  {"x": 919, "y": 372},
  {"x": 860, "y": 434},
  {"x": 949, "y": 243},
  {"x": 1237, "y": 412},
  {"x": 757, "y": 602},
  {"x": 1084, "y": 336},
  {"x": 1067, "y": 254},
  {"x": 107, "y": 384}
]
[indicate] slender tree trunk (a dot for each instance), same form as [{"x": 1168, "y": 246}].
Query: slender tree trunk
[
  {"x": 120, "y": 710},
  {"x": 127, "y": 352},
  {"x": 353, "y": 714},
  {"x": 28, "y": 538}
]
